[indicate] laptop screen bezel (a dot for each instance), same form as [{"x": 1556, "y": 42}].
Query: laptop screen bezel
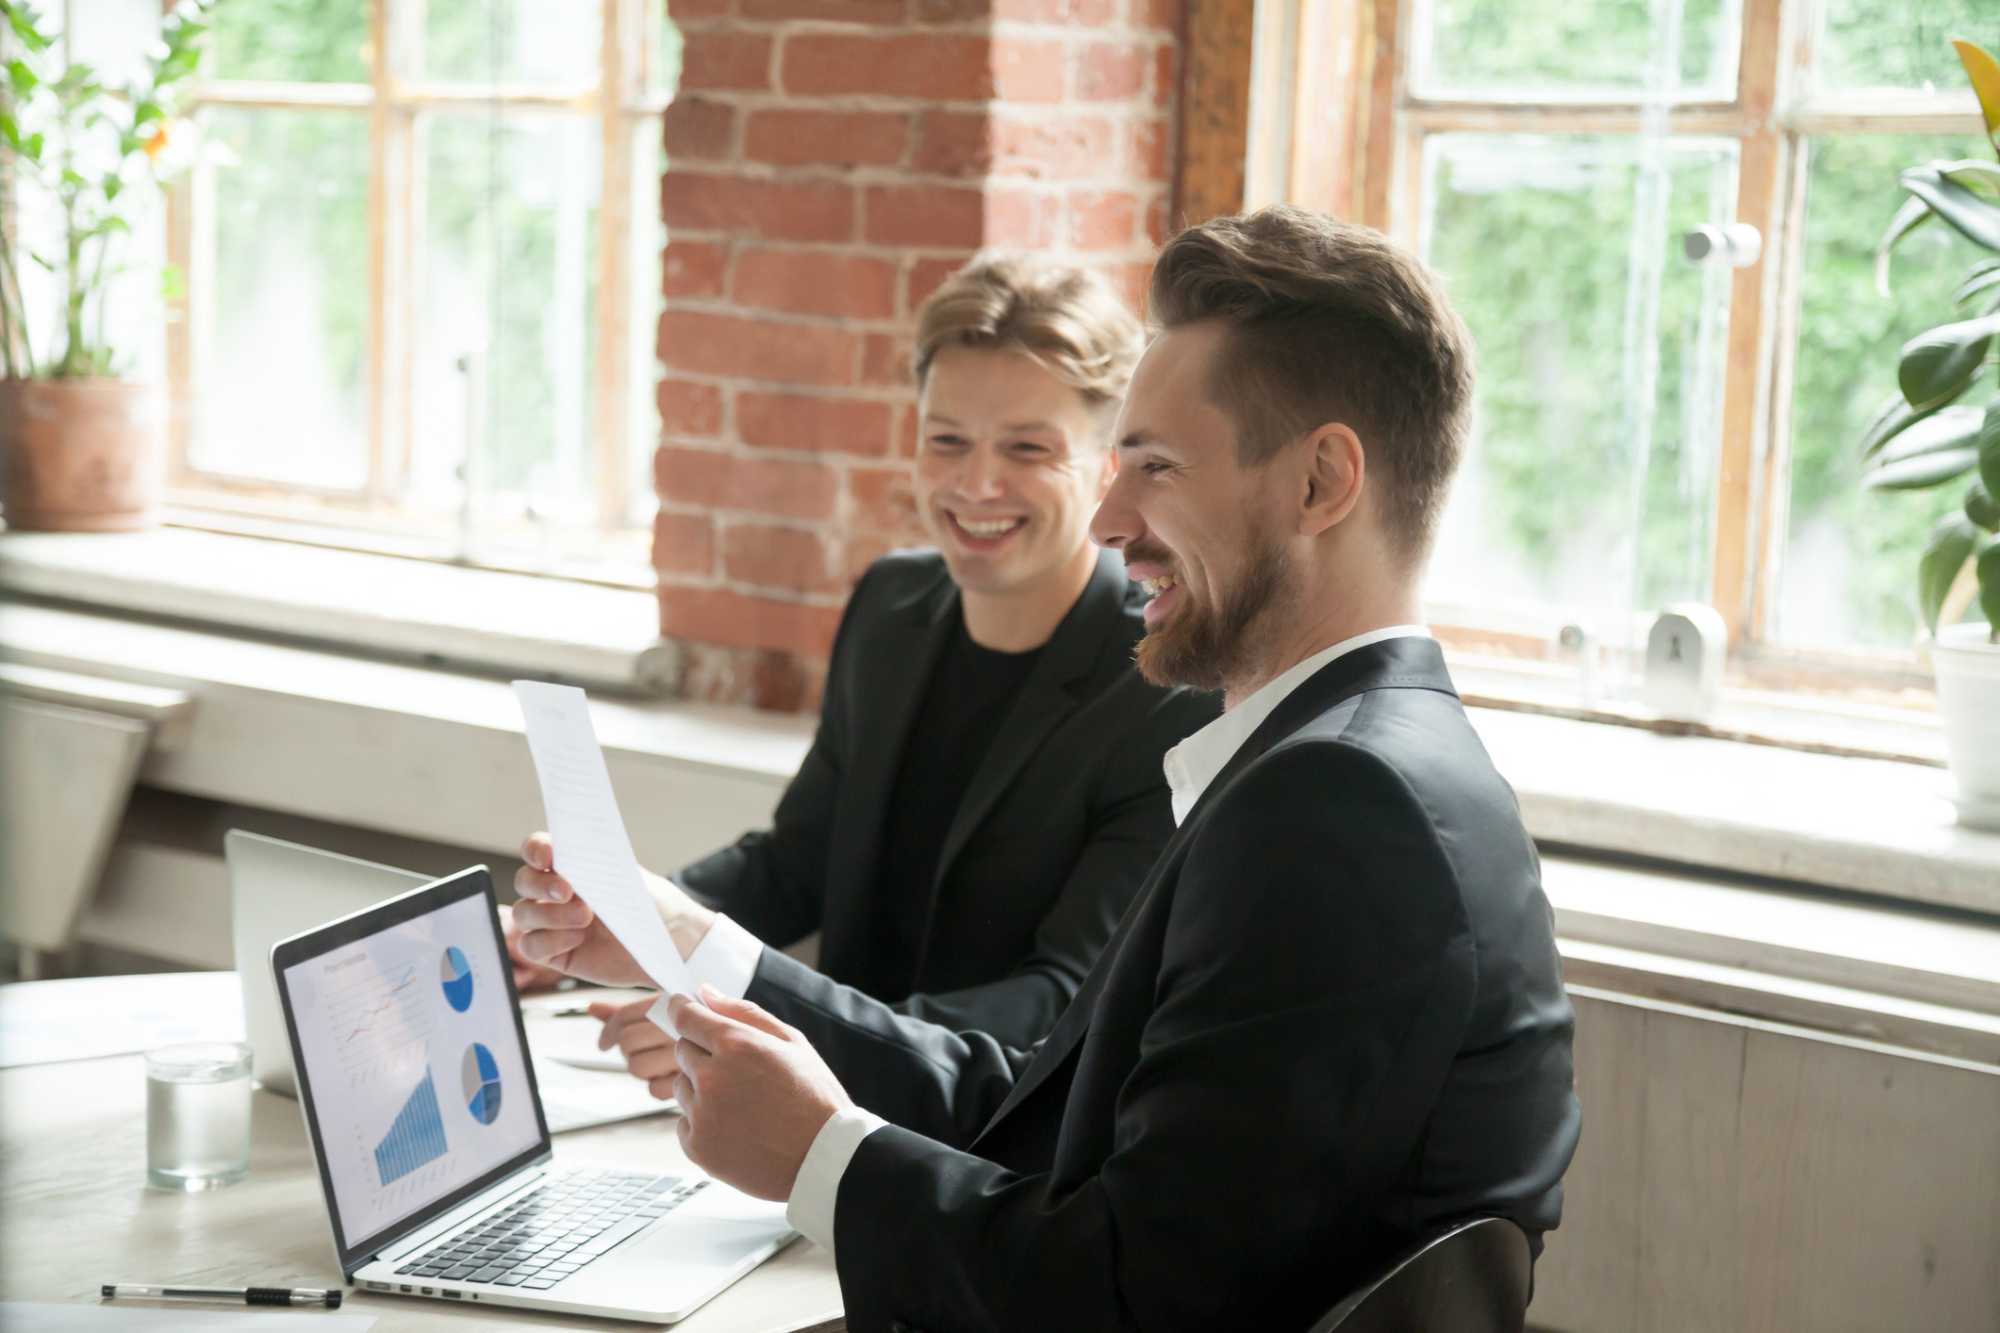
[{"x": 472, "y": 882}]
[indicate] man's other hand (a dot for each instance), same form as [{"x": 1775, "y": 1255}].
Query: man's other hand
[
  {"x": 753, "y": 1093},
  {"x": 528, "y": 975},
  {"x": 649, "y": 1051}
]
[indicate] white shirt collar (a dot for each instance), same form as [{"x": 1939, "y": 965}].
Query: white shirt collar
[{"x": 1193, "y": 764}]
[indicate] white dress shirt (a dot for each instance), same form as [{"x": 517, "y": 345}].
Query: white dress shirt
[
  {"x": 1193, "y": 764},
  {"x": 728, "y": 954}
]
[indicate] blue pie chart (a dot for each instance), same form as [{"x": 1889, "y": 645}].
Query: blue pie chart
[
  {"x": 482, "y": 1083},
  {"x": 456, "y": 975}
]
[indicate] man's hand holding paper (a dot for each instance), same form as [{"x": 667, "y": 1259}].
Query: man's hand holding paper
[
  {"x": 558, "y": 928},
  {"x": 601, "y": 918}
]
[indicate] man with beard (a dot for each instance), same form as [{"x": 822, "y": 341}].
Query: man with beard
[{"x": 1333, "y": 1020}]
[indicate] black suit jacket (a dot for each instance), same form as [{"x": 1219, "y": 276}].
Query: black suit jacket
[
  {"x": 1053, "y": 837},
  {"x": 1332, "y": 1020}
]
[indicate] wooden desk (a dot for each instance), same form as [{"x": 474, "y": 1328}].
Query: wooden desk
[{"x": 75, "y": 1212}]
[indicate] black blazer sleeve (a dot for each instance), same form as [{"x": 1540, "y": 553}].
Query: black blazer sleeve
[
  {"x": 1316, "y": 973},
  {"x": 943, "y": 1083},
  {"x": 771, "y": 881},
  {"x": 1131, "y": 820}
]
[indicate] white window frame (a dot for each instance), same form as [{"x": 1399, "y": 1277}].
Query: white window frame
[
  {"x": 628, "y": 104},
  {"x": 1369, "y": 168}
]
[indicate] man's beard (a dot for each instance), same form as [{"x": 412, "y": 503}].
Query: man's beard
[{"x": 1206, "y": 649}]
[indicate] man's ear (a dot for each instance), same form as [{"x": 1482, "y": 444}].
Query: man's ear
[
  {"x": 1336, "y": 472},
  {"x": 1107, "y": 468}
]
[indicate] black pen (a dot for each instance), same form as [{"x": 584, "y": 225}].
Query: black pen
[{"x": 147, "y": 1291}]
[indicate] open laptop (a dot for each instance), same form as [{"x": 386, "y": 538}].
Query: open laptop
[
  {"x": 279, "y": 888},
  {"x": 433, "y": 1151},
  {"x": 276, "y": 889}
]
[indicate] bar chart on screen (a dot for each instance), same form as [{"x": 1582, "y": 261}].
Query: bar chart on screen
[{"x": 415, "y": 1137}]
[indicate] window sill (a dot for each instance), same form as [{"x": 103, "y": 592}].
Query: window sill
[{"x": 356, "y": 602}]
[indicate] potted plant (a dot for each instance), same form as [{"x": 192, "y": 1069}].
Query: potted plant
[
  {"x": 1934, "y": 432},
  {"x": 81, "y": 444}
]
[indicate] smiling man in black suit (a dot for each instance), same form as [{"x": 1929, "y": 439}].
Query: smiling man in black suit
[{"x": 1333, "y": 1019}]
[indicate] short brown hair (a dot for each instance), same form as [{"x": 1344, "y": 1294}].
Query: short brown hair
[
  {"x": 1067, "y": 318},
  {"x": 1329, "y": 322}
]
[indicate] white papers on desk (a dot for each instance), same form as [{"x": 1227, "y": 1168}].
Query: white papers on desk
[
  {"x": 48, "y": 1317},
  {"x": 42, "y": 1022},
  {"x": 593, "y": 850}
]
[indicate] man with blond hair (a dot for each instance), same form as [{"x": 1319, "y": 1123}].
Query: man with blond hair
[
  {"x": 984, "y": 793},
  {"x": 1333, "y": 1020}
]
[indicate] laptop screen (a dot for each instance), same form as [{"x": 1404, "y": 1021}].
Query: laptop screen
[{"x": 411, "y": 1056}]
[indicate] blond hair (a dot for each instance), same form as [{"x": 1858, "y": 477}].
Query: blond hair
[
  {"x": 1329, "y": 322},
  {"x": 1066, "y": 318}
]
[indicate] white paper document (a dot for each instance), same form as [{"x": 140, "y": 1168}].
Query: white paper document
[{"x": 593, "y": 850}]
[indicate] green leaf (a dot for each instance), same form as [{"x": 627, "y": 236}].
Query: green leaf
[
  {"x": 1989, "y": 581},
  {"x": 1940, "y": 364},
  {"x": 1977, "y": 219},
  {"x": 21, "y": 79},
  {"x": 1975, "y": 175},
  {"x": 1989, "y": 448},
  {"x": 147, "y": 112},
  {"x": 22, "y": 20},
  {"x": 1951, "y": 428},
  {"x": 1913, "y": 214},
  {"x": 1923, "y": 471},
  {"x": 1950, "y": 547},
  {"x": 10, "y": 131},
  {"x": 31, "y": 147},
  {"x": 1893, "y": 418},
  {"x": 173, "y": 283},
  {"x": 1981, "y": 507},
  {"x": 1985, "y": 276}
]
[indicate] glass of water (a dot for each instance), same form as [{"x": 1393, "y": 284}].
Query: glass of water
[{"x": 197, "y": 1115}]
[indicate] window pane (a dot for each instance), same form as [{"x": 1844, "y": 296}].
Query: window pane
[
  {"x": 282, "y": 296},
  {"x": 513, "y": 41},
  {"x": 1849, "y": 572},
  {"x": 508, "y": 277},
  {"x": 1559, "y": 49},
  {"x": 1900, "y": 43},
  {"x": 315, "y": 41},
  {"x": 1588, "y": 483}
]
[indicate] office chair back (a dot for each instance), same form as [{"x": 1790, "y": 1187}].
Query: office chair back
[{"x": 1473, "y": 1278}]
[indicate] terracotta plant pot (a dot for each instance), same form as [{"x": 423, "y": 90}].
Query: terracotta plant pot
[{"x": 80, "y": 455}]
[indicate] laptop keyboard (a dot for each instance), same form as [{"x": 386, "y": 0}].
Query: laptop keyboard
[{"x": 554, "y": 1230}]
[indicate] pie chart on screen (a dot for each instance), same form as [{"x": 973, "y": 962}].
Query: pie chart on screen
[
  {"x": 481, "y": 1077},
  {"x": 456, "y": 974}
]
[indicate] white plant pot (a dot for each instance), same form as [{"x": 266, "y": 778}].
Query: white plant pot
[{"x": 1968, "y": 686}]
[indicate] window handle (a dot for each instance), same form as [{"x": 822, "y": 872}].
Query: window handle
[{"x": 1737, "y": 244}]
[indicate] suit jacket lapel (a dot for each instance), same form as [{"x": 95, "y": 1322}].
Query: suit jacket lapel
[
  {"x": 1406, "y": 662},
  {"x": 1051, "y": 693}
]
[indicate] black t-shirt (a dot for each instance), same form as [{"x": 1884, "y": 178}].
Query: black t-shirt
[{"x": 969, "y": 696}]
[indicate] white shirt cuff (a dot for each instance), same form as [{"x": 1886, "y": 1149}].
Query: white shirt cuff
[
  {"x": 810, "y": 1209},
  {"x": 726, "y": 959}
]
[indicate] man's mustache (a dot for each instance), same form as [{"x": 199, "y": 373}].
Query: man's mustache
[{"x": 1148, "y": 555}]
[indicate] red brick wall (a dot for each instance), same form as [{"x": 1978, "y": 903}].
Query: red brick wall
[{"x": 829, "y": 163}]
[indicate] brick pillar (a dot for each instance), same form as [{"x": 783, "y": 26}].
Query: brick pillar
[{"x": 830, "y": 162}]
